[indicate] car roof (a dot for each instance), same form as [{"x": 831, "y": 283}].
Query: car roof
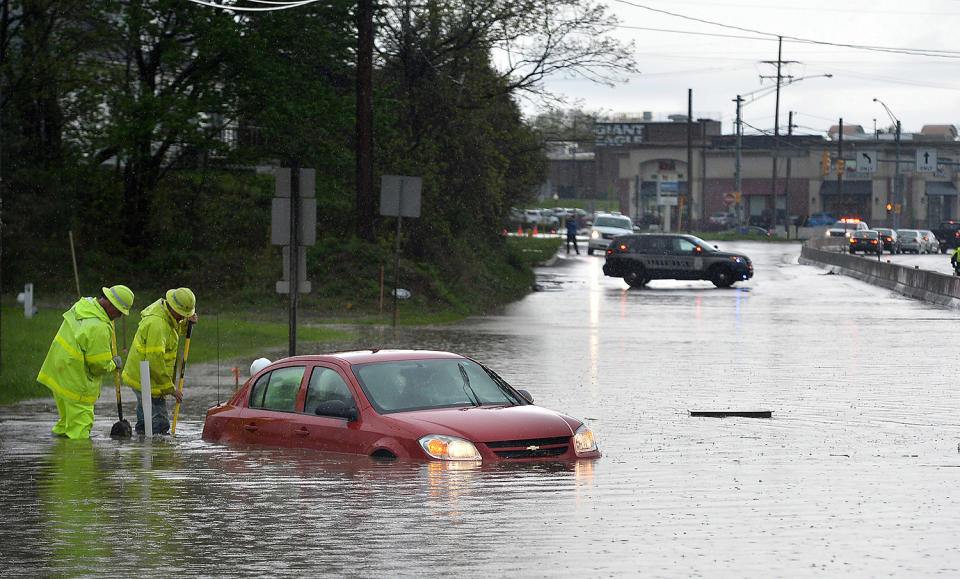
[{"x": 351, "y": 357}]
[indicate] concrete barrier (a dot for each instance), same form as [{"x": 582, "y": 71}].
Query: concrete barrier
[{"x": 920, "y": 284}]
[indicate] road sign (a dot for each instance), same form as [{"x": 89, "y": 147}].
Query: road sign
[
  {"x": 729, "y": 199},
  {"x": 867, "y": 162},
  {"x": 400, "y": 196},
  {"x": 926, "y": 160}
]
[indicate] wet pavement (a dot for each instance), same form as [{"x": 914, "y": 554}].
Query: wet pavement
[{"x": 856, "y": 473}]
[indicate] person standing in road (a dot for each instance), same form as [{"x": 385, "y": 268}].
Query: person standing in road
[
  {"x": 156, "y": 341},
  {"x": 80, "y": 355},
  {"x": 572, "y": 234}
]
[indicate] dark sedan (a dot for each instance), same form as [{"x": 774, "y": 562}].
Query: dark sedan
[
  {"x": 396, "y": 404},
  {"x": 891, "y": 241},
  {"x": 866, "y": 241}
]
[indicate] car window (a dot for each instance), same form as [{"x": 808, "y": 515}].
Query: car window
[
  {"x": 423, "y": 384},
  {"x": 278, "y": 389},
  {"x": 326, "y": 385},
  {"x": 682, "y": 245},
  {"x": 620, "y": 222}
]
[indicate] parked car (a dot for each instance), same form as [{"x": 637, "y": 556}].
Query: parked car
[
  {"x": 890, "y": 239},
  {"x": 846, "y": 226},
  {"x": 639, "y": 258},
  {"x": 396, "y": 404},
  {"x": 866, "y": 241},
  {"x": 820, "y": 218},
  {"x": 605, "y": 227},
  {"x": 722, "y": 219},
  {"x": 930, "y": 242},
  {"x": 910, "y": 240}
]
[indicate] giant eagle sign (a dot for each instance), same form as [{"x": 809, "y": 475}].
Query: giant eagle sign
[{"x": 617, "y": 134}]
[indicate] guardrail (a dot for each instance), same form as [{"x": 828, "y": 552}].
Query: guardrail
[{"x": 929, "y": 286}]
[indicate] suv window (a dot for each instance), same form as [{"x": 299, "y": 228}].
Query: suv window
[{"x": 609, "y": 221}]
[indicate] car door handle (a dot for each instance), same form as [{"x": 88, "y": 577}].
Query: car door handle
[
  {"x": 302, "y": 431},
  {"x": 251, "y": 427}
]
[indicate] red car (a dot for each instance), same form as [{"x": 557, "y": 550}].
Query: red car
[{"x": 396, "y": 404}]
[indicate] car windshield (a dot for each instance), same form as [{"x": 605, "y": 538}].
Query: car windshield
[
  {"x": 885, "y": 231},
  {"x": 434, "y": 383},
  {"x": 865, "y": 234},
  {"x": 619, "y": 222},
  {"x": 909, "y": 233}
]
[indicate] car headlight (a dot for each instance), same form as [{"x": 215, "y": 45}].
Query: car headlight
[
  {"x": 583, "y": 441},
  {"x": 442, "y": 447}
]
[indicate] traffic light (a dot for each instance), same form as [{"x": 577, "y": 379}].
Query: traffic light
[
  {"x": 839, "y": 166},
  {"x": 825, "y": 164},
  {"x": 889, "y": 208}
]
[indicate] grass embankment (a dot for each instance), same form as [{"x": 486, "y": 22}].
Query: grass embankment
[{"x": 249, "y": 326}]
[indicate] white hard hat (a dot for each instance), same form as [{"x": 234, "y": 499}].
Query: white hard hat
[{"x": 258, "y": 364}]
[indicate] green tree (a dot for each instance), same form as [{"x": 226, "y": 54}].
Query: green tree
[{"x": 161, "y": 98}]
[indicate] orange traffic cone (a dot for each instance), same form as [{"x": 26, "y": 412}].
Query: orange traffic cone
[
  {"x": 534, "y": 229},
  {"x": 520, "y": 230}
]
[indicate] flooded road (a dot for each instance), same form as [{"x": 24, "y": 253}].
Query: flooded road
[{"x": 856, "y": 474}]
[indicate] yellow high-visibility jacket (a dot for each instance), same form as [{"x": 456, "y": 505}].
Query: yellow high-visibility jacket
[
  {"x": 156, "y": 341},
  {"x": 80, "y": 354}
]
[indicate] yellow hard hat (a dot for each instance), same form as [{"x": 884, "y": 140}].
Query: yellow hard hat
[
  {"x": 120, "y": 296},
  {"x": 182, "y": 301}
]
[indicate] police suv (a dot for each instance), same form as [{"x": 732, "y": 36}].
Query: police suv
[{"x": 639, "y": 258}]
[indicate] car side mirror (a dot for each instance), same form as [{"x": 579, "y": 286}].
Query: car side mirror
[
  {"x": 337, "y": 409},
  {"x": 526, "y": 394}
]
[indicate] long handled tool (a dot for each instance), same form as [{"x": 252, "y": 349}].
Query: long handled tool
[
  {"x": 183, "y": 367},
  {"x": 121, "y": 428}
]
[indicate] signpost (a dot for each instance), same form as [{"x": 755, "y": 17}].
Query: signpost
[
  {"x": 399, "y": 197},
  {"x": 293, "y": 224},
  {"x": 729, "y": 199}
]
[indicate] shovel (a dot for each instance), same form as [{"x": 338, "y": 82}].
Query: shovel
[
  {"x": 183, "y": 367},
  {"x": 121, "y": 428}
]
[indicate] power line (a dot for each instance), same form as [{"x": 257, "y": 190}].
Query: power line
[
  {"x": 951, "y": 54},
  {"x": 270, "y": 6}
]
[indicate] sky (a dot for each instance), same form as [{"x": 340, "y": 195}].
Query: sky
[{"x": 717, "y": 49}]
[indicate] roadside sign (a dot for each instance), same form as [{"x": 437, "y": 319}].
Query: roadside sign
[
  {"x": 729, "y": 199},
  {"x": 926, "y": 160},
  {"x": 867, "y": 162}
]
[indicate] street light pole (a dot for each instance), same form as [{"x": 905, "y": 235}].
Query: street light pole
[{"x": 896, "y": 170}]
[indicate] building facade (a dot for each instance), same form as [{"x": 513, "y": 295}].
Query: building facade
[{"x": 655, "y": 169}]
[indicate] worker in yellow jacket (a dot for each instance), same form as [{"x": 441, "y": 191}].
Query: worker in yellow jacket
[
  {"x": 156, "y": 341},
  {"x": 81, "y": 353}
]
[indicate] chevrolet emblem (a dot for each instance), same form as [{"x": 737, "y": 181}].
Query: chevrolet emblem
[{"x": 533, "y": 447}]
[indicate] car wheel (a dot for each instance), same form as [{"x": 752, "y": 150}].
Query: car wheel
[
  {"x": 637, "y": 278},
  {"x": 722, "y": 276},
  {"x": 589, "y": 250}
]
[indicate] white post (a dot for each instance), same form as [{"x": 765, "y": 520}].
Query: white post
[
  {"x": 147, "y": 400},
  {"x": 28, "y": 309}
]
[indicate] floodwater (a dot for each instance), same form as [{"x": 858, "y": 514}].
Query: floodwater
[{"x": 856, "y": 473}]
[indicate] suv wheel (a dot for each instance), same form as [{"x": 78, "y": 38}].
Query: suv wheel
[
  {"x": 637, "y": 278},
  {"x": 722, "y": 276}
]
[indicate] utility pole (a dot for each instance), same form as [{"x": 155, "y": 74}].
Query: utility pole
[
  {"x": 786, "y": 185},
  {"x": 776, "y": 121},
  {"x": 364, "y": 168},
  {"x": 689, "y": 171},
  {"x": 736, "y": 170},
  {"x": 843, "y": 204}
]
